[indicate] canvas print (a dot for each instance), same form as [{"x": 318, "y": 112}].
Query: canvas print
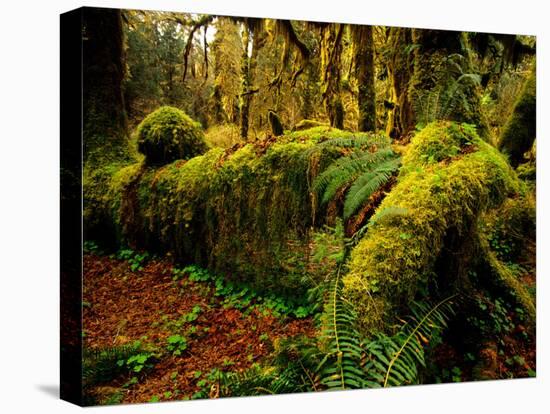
[{"x": 274, "y": 206}]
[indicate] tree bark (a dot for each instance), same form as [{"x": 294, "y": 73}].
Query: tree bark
[
  {"x": 400, "y": 116},
  {"x": 252, "y": 34},
  {"x": 443, "y": 86},
  {"x": 105, "y": 123},
  {"x": 520, "y": 130},
  {"x": 363, "y": 50},
  {"x": 331, "y": 53}
]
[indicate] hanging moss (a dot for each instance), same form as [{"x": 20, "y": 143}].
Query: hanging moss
[
  {"x": 449, "y": 177},
  {"x": 168, "y": 134},
  {"x": 520, "y": 130}
]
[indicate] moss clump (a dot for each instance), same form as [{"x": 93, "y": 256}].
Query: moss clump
[
  {"x": 520, "y": 130},
  {"x": 168, "y": 134},
  {"x": 446, "y": 190}
]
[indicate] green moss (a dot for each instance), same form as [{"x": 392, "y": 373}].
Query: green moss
[
  {"x": 438, "y": 142},
  {"x": 511, "y": 229},
  {"x": 245, "y": 212},
  {"x": 97, "y": 198},
  {"x": 168, "y": 134},
  {"x": 319, "y": 134},
  {"x": 308, "y": 124},
  {"x": 506, "y": 279},
  {"x": 440, "y": 187},
  {"x": 528, "y": 171},
  {"x": 520, "y": 130}
]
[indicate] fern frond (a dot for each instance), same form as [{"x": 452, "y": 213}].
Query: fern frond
[
  {"x": 451, "y": 94},
  {"x": 395, "y": 360},
  {"x": 340, "y": 367},
  {"x": 365, "y": 185},
  {"x": 101, "y": 364},
  {"x": 345, "y": 169}
]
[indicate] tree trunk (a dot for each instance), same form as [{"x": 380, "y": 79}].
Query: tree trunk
[
  {"x": 105, "y": 123},
  {"x": 331, "y": 53},
  {"x": 443, "y": 86},
  {"x": 252, "y": 33},
  {"x": 400, "y": 63},
  {"x": 363, "y": 49},
  {"x": 520, "y": 130},
  {"x": 245, "y": 88}
]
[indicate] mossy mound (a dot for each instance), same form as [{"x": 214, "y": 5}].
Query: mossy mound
[
  {"x": 449, "y": 177},
  {"x": 168, "y": 134}
]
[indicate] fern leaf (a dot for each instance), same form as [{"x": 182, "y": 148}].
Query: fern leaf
[
  {"x": 367, "y": 184},
  {"x": 412, "y": 338}
]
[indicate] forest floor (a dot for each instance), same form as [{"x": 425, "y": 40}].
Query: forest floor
[{"x": 122, "y": 306}]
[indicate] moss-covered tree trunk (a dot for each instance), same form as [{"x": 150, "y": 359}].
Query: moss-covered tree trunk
[
  {"x": 105, "y": 124},
  {"x": 331, "y": 54},
  {"x": 363, "y": 52},
  {"x": 400, "y": 65},
  {"x": 520, "y": 130},
  {"x": 253, "y": 38},
  {"x": 444, "y": 85}
]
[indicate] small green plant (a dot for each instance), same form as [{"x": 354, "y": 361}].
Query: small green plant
[
  {"x": 137, "y": 363},
  {"x": 193, "y": 315},
  {"x": 228, "y": 362},
  {"x": 90, "y": 246},
  {"x": 132, "y": 381},
  {"x": 177, "y": 344},
  {"x": 197, "y": 274},
  {"x": 177, "y": 274},
  {"x": 241, "y": 296},
  {"x": 134, "y": 259}
]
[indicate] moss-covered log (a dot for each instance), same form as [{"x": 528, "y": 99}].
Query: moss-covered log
[
  {"x": 449, "y": 177},
  {"x": 520, "y": 130},
  {"x": 246, "y": 212}
]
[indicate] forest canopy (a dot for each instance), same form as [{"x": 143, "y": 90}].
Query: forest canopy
[{"x": 364, "y": 196}]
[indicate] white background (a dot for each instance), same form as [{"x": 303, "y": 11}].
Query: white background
[{"x": 29, "y": 206}]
